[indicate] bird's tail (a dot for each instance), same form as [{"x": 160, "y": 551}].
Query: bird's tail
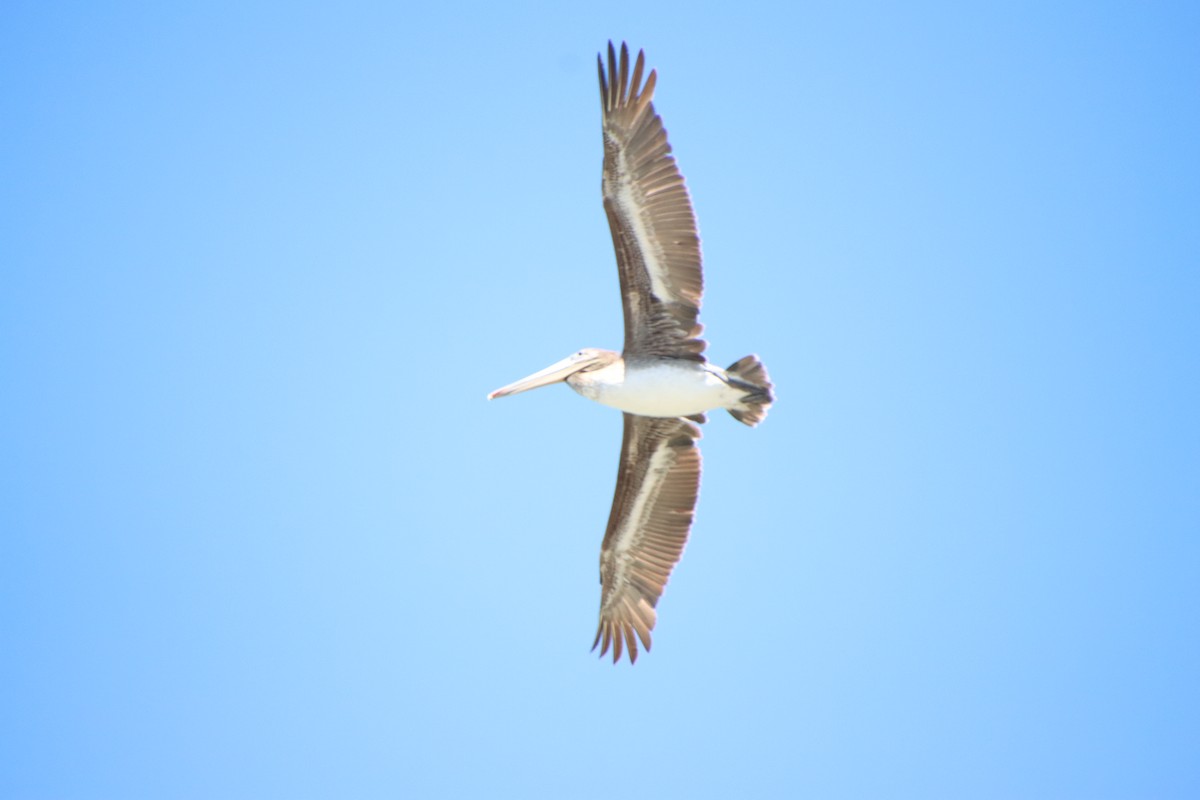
[{"x": 749, "y": 373}]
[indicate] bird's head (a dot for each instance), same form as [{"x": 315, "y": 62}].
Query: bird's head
[{"x": 588, "y": 358}]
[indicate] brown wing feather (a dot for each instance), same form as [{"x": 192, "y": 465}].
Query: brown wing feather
[
  {"x": 650, "y": 216},
  {"x": 657, "y": 486}
]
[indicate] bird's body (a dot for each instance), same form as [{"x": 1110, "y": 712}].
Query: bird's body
[
  {"x": 660, "y": 387},
  {"x": 661, "y": 380}
]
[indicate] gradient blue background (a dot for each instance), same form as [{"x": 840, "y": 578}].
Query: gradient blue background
[{"x": 262, "y": 536}]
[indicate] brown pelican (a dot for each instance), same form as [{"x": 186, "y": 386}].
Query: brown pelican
[{"x": 661, "y": 380}]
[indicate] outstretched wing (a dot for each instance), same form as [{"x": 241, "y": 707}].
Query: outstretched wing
[
  {"x": 650, "y": 215},
  {"x": 657, "y": 486}
]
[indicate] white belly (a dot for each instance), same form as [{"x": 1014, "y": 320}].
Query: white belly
[{"x": 662, "y": 389}]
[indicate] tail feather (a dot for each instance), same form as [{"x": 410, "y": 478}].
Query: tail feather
[{"x": 750, "y": 374}]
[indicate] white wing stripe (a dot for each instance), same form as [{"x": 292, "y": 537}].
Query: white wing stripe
[
  {"x": 661, "y": 461},
  {"x": 629, "y": 210}
]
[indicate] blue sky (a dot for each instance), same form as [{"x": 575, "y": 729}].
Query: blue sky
[{"x": 264, "y": 537}]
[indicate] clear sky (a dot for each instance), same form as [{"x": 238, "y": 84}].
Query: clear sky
[{"x": 263, "y": 536}]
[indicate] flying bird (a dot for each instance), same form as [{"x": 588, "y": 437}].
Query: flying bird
[{"x": 661, "y": 381}]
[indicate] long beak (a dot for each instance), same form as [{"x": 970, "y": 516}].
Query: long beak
[{"x": 554, "y": 373}]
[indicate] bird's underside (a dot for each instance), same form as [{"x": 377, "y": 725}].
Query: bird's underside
[{"x": 661, "y": 381}]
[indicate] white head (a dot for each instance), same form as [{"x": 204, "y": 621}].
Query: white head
[{"x": 586, "y": 359}]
